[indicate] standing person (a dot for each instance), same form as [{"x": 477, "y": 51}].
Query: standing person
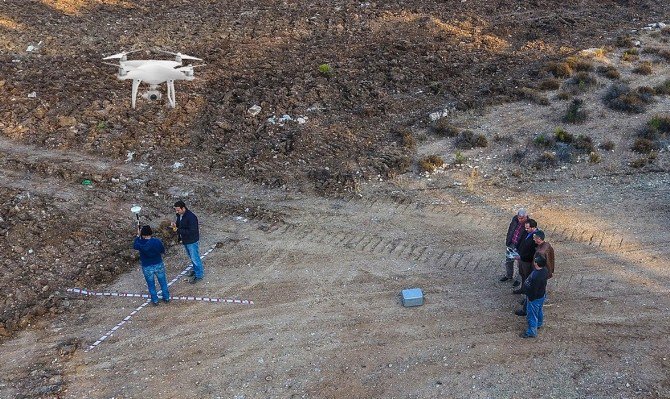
[
  {"x": 545, "y": 250},
  {"x": 527, "y": 251},
  {"x": 186, "y": 227},
  {"x": 515, "y": 233},
  {"x": 151, "y": 249},
  {"x": 535, "y": 289}
]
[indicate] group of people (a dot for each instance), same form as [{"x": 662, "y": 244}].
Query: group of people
[
  {"x": 151, "y": 250},
  {"x": 529, "y": 264}
]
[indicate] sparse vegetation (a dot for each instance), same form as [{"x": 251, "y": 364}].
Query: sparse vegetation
[
  {"x": 407, "y": 139},
  {"x": 467, "y": 139},
  {"x": 644, "y": 146},
  {"x": 594, "y": 157},
  {"x": 559, "y": 69},
  {"x": 620, "y": 97},
  {"x": 581, "y": 81},
  {"x": 550, "y": 84},
  {"x": 326, "y": 70},
  {"x": 583, "y": 66},
  {"x": 663, "y": 88},
  {"x": 624, "y": 41},
  {"x": 563, "y": 136},
  {"x": 660, "y": 123},
  {"x": 609, "y": 71},
  {"x": 575, "y": 112},
  {"x": 534, "y": 96},
  {"x": 459, "y": 158},
  {"x": 430, "y": 163},
  {"x": 563, "y": 95},
  {"x": 541, "y": 140},
  {"x": 584, "y": 144},
  {"x": 630, "y": 55},
  {"x": 644, "y": 68},
  {"x": 443, "y": 127},
  {"x": 102, "y": 125},
  {"x": 519, "y": 155},
  {"x": 607, "y": 145},
  {"x": 638, "y": 163},
  {"x": 545, "y": 160}
]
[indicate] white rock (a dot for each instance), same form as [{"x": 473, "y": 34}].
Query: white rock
[{"x": 254, "y": 110}]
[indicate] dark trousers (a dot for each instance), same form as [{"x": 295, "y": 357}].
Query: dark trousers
[{"x": 524, "y": 269}]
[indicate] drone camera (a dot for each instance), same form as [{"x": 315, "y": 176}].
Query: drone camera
[{"x": 152, "y": 95}]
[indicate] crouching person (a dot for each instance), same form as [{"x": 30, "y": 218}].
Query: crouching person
[
  {"x": 535, "y": 288},
  {"x": 151, "y": 250}
]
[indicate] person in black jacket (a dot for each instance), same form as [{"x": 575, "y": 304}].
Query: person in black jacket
[
  {"x": 186, "y": 227},
  {"x": 526, "y": 251},
  {"x": 535, "y": 288},
  {"x": 515, "y": 233}
]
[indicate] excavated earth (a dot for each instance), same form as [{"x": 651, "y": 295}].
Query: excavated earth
[{"x": 318, "y": 207}]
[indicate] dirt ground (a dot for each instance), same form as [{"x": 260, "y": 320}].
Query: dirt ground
[{"x": 322, "y": 224}]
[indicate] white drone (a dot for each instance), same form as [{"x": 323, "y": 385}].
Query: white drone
[{"x": 153, "y": 72}]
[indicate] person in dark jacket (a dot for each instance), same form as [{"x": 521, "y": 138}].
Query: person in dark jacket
[
  {"x": 535, "y": 289},
  {"x": 527, "y": 251},
  {"x": 515, "y": 232},
  {"x": 186, "y": 226},
  {"x": 151, "y": 250}
]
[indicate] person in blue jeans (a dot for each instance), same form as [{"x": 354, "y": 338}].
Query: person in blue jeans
[
  {"x": 535, "y": 288},
  {"x": 186, "y": 226},
  {"x": 151, "y": 259}
]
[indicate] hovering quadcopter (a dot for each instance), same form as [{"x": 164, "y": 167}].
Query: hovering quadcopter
[{"x": 153, "y": 72}]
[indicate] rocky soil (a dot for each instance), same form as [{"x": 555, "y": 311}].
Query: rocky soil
[{"x": 353, "y": 96}]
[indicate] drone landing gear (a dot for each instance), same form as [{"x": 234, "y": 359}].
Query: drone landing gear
[
  {"x": 170, "y": 93},
  {"x": 136, "y": 84}
]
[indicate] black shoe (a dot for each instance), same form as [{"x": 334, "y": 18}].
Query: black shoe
[
  {"x": 503, "y": 279},
  {"x": 166, "y": 300},
  {"x": 517, "y": 291},
  {"x": 154, "y": 303},
  {"x": 516, "y": 283},
  {"x": 194, "y": 280},
  {"x": 520, "y": 312},
  {"x": 525, "y": 335},
  {"x": 190, "y": 274}
]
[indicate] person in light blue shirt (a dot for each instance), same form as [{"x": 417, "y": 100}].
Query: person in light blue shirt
[{"x": 151, "y": 250}]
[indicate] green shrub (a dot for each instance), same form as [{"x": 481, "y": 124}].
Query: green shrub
[
  {"x": 575, "y": 113},
  {"x": 326, "y": 70},
  {"x": 102, "y": 125},
  {"x": 467, "y": 139},
  {"x": 563, "y": 136},
  {"x": 430, "y": 163},
  {"x": 581, "y": 81},
  {"x": 442, "y": 127},
  {"x": 643, "y": 69},
  {"x": 609, "y": 72}
]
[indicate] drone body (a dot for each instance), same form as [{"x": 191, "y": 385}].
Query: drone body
[{"x": 153, "y": 72}]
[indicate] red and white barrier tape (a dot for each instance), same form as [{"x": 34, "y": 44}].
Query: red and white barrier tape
[
  {"x": 127, "y": 318},
  {"x": 180, "y": 298}
]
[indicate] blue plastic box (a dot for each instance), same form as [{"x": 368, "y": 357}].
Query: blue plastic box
[{"x": 412, "y": 297}]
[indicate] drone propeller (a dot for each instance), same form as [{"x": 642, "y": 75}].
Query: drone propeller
[
  {"x": 181, "y": 56},
  {"x": 120, "y": 55}
]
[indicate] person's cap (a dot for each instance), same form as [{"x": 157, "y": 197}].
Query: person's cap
[
  {"x": 540, "y": 261},
  {"x": 146, "y": 231},
  {"x": 539, "y": 234},
  {"x": 522, "y": 212}
]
